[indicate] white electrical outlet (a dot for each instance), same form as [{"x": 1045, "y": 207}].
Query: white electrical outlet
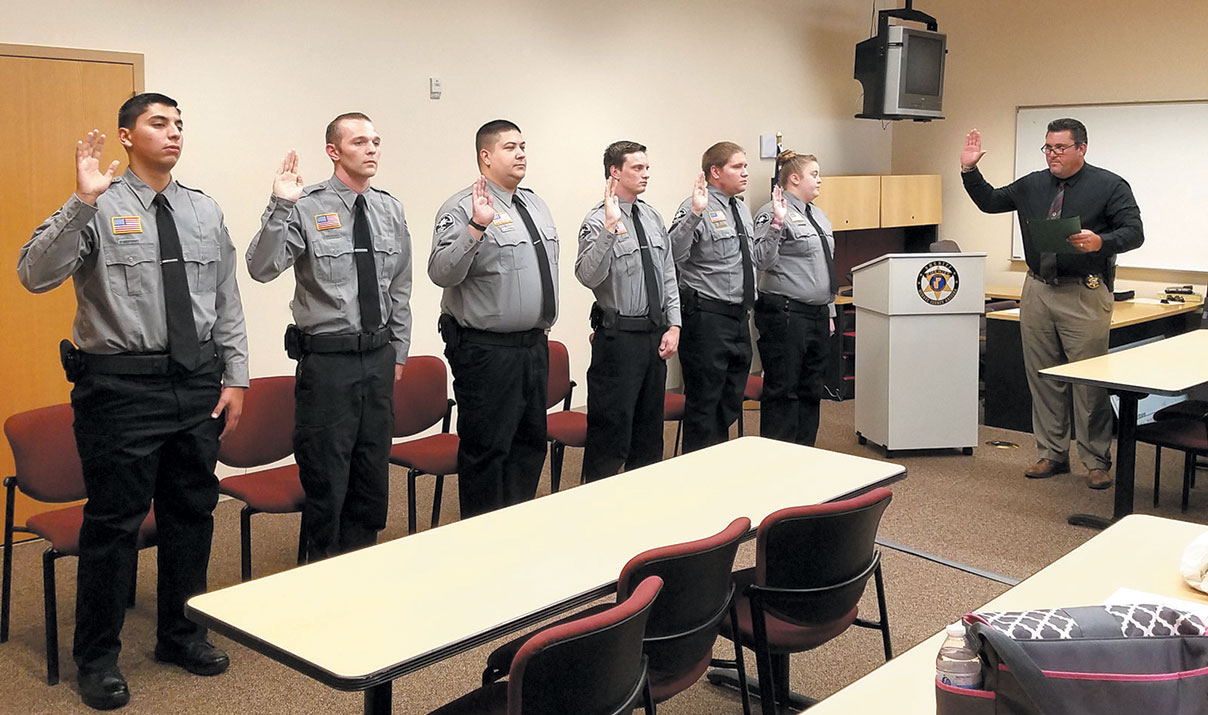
[{"x": 433, "y": 88}]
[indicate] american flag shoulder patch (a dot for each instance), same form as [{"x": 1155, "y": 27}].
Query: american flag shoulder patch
[
  {"x": 126, "y": 224},
  {"x": 327, "y": 221}
]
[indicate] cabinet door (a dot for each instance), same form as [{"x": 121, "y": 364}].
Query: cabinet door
[
  {"x": 851, "y": 202},
  {"x": 911, "y": 200}
]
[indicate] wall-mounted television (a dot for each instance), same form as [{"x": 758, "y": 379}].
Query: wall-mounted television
[{"x": 902, "y": 71}]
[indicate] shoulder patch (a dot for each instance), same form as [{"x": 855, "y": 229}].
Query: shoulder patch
[
  {"x": 444, "y": 223},
  {"x": 761, "y": 219},
  {"x": 584, "y": 232},
  {"x": 680, "y": 214}
]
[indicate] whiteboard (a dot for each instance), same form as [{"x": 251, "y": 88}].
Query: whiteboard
[{"x": 1161, "y": 150}]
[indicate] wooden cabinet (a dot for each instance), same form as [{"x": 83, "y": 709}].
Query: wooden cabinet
[
  {"x": 910, "y": 200},
  {"x": 851, "y": 202}
]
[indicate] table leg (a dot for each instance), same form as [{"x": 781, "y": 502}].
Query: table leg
[
  {"x": 377, "y": 699},
  {"x": 1126, "y": 466}
]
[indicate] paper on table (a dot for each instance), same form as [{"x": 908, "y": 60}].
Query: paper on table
[
  {"x": 1124, "y": 596},
  {"x": 1051, "y": 235}
]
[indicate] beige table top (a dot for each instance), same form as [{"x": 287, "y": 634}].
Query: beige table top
[
  {"x": 358, "y": 620},
  {"x": 1171, "y": 366},
  {"x": 1124, "y": 313},
  {"x": 1138, "y": 552}
]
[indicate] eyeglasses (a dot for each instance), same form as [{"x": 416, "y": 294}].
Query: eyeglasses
[{"x": 1058, "y": 149}]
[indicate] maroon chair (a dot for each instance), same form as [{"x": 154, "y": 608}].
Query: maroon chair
[
  {"x": 590, "y": 666},
  {"x": 753, "y": 392},
  {"x": 265, "y": 435},
  {"x": 1182, "y": 426},
  {"x": 812, "y": 564},
  {"x": 48, "y": 470},
  {"x": 685, "y": 621},
  {"x": 565, "y": 428},
  {"x": 673, "y": 411},
  {"x": 421, "y": 399}
]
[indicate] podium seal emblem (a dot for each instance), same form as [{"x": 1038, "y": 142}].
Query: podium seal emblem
[{"x": 938, "y": 282}]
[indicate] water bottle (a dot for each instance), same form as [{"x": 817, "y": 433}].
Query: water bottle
[{"x": 957, "y": 664}]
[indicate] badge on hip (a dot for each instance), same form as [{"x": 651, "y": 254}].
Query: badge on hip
[{"x": 1092, "y": 281}]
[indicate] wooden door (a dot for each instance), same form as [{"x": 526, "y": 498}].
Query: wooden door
[
  {"x": 52, "y": 97},
  {"x": 851, "y": 202},
  {"x": 911, "y": 200}
]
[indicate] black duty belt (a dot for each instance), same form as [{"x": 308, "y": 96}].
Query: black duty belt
[
  {"x": 137, "y": 363},
  {"x": 772, "y": 301},
  {"x": 1089, "y": 280},
  {"x": 720, "y": 307},
  {"x": 604, "y": 319},
  {"x": 350, "y": 343},
  {"x": 524, "y": 338}
]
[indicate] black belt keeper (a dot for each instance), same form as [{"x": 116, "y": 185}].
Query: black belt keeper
[
  {"x": 521, "y": 339},
  {"x": 604, "y": 319},
  {"x": 127, "y": 363},
  {"x": 352, "y": 343},
  {"x": 772, "y": 301}
]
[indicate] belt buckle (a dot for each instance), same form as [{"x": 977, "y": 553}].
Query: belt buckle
[{"x": 1092, "y": 281}]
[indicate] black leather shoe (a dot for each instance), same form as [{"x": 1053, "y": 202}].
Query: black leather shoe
[
  {"x": 199, "y": 657},
  {"x": 103, "y": 689}
]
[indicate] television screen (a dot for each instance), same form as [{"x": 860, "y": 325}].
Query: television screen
[{"x": 924, "y": 65}]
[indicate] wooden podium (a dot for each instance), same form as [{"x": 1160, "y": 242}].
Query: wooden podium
[{"x": 917, "y": 321}]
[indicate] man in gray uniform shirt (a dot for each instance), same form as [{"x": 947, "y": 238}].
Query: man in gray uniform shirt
[
  {"x": 794, "y": 312},
  {"x": 495, "y": 252},
  {"x": 348, "y": 244},
  {"x": 625, "y": 258},
  {"x": 162, "y": 358},
  {"x": 711, "y": 240}
]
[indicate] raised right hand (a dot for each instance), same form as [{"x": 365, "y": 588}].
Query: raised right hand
[
  {"x": 700, "y": 195},
  {"x": 288, "y": 184},
  {"x": 612, "y": 205},
  {"x": 972, "y": 153},
  {"x": 484, "y": 205},
  {"x": 90, "y": 182}
]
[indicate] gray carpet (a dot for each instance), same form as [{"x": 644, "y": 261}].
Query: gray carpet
[{"x": 977, "y": 510}]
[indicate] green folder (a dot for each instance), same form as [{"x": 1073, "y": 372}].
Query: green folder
[{"x": 1051, "y": 235}]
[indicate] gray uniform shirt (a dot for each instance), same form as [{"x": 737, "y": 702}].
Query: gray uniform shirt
[
  {"x": 111, "y": 253},
  {"x": 493, "y": 284},
  {"x": 611, "y": 263},
  {"x": 791, "y": 260},
  {"x": 314, "y": 236},
  {"x": 706, "y": 247}
]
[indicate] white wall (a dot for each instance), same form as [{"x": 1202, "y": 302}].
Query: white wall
[
  {"x": 1031, "y": 52},
  {"x": 256, "y": 79}
]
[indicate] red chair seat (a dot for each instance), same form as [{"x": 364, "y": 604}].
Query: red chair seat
[
  {"x": 567, "y": 427},
  {"x": 665, "y": 685},
  {"x": 1188, "y": 435},
  {"x": 783, "y": 636},
  {"x": 431, "y": 455},
  {"x": 754, "y": 388},
  {"x": 275, "y": 491},
  {"x": 61, "y": 528},
  {"x": 673, "y": 407}
]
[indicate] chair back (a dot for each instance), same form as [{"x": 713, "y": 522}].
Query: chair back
[
  {"x": 559, "y": 375},
  {"x": 421, "y": 395},
  {"x": 266, "y": 429},
  {"x": 44, "y": 451},
  {"x": 944, "y": 246},
  {"x": 591, "y": 666},
  {"x": 687, "y": 616},
  {"x": 811, "y": 562}
]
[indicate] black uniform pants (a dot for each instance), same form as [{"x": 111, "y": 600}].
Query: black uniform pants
[
  {"x": 143, "y": 438},
  {"x": 715, "y": 354},
  {"x": 344, "y": 419},
  {"x": 794, "y": 350},
  {"x": 501, "y": 402},
  {"x": 626, "y": 383}
]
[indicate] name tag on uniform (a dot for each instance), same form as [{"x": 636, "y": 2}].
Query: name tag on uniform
[
  {"x": 718, "y": 218},
  {"x": 502, "y": 218},
  {"x": 324, "y": 222},
  {"x": 621, "y": 230},
  {"x": 126, "y": 224},
  {"x": 796, "y": 217}
]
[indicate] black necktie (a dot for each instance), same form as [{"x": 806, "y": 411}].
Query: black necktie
[
  {"x": 1048, "y": 261},
  {"x": 367, "y": 289},
  {"x": 748, "y": 283},
  {"x": 830, "y": 262},
  {"x": 1058, "y": 201},
  {"x": 654, "y": 300},
  {"x": 548, "y": 306},
  {"x": 183, "y": 345}
]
